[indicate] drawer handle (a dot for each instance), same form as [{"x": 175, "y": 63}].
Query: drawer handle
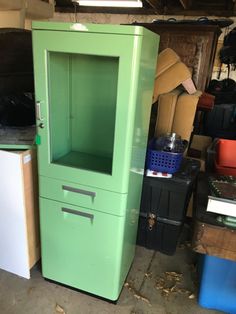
[
  {"x": 77, "y": 212},
  {"x": 80, "y": 191}
]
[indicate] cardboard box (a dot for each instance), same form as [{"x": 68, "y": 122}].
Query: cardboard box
[
  {"x": 198, "y": 149},
  {"x": 184, "y": 115},
  {"x": 165, "y": 112},
  {"x": 190, "y": 207},
  {"x": 176, "y": 112},
  {"x": 19, "y": 215},
  {"x": 201, "y": 143}
]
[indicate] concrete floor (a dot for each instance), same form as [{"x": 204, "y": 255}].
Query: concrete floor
[{"x": 139, "y": 295}]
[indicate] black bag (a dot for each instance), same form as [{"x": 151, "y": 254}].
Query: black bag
[
  {"x": 230, "y": 38},
  {"x": 228, "y": 51},
  {"x": 224, "y": 91},
  {"x": 221, "y": 121},
  {"x": 17, "y": 110},
  {"x": 228, "y": 54}
]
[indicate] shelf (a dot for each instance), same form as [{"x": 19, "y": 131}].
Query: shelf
[{"x": 86, "y": 161}]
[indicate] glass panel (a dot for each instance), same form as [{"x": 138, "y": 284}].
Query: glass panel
[{"x": 82, "y": 108}]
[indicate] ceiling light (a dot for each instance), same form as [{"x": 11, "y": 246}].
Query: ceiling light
[{"x": 111, "y": 3}]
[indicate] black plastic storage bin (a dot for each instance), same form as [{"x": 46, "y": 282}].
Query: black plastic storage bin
[
  {"x": 163, "y": 208},
  {"x": 163, "y": 236},
  {"x": 221, "y": 121}
]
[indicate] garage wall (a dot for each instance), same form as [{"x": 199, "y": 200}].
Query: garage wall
[
  {"x": 128, "y": 19},
  {"x": 117, "y": 18},
  {"x": 103, "y": 18}
]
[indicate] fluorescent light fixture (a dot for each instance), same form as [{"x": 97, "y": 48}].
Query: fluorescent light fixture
[{"x": 111, "y": 3}]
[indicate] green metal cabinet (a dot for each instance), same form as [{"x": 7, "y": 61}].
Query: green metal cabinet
[{"x": 94, "y": 88}]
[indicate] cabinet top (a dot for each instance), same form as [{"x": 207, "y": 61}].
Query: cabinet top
[{"x": 92, "y": 28}]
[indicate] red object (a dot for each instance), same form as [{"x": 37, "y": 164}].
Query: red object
[
  {"x": 206, "y": 102},
  {"x": 226, "y": 153},
  {"x": 225, "y": 171}
]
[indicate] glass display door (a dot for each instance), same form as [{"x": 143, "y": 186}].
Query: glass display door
[
  {"x": 86, "y": 92},
  {"x": 82, "y": 110}
]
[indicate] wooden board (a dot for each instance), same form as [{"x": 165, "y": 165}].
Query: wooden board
[
  {"x": 33, "y": 8},
  {"x": 214, "y": 240},
  {"x": 30, "y": 186}
]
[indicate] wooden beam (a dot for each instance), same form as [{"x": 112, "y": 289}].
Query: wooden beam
[
  {"x": 193, "y": 8},
  {"x": 185, "y": 3},
  {"x": 12, "y": 18},
  {"x": 212, "y": 5},
  {"x": 33, "y": 8},
  {"x": 230, "y": 5},
  {"x": 89, "y": 9},
  {"x": 11, "y": 4},
  {"x": 195, "y": 12},
  {"x": 157, "y": 5},
  {"x": 39, "y": 9}
]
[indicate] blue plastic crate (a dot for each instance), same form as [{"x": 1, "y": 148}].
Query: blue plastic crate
[
  {"x": 163, "y": 161},
  {"x": 217, "y": 284}
]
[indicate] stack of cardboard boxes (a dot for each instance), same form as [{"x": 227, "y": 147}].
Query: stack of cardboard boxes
[{"x": 176, "y": 99}]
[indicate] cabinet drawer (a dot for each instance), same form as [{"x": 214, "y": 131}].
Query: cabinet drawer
[
  {"x": 85, "y": 196},
  {"x": 82, "y": 248}
]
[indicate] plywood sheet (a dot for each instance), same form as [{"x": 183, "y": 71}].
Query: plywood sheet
[
  {"x": 214, "y": 240},
  {"x": 30, "y": 187}
]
